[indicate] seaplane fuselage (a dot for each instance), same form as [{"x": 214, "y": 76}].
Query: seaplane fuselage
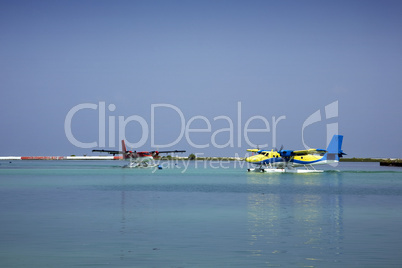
[{"x": 274, "y": 159}]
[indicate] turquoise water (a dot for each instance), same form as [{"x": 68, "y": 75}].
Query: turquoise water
[{"x": 97, "y": 214}]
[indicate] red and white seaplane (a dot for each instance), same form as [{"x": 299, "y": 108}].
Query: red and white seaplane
[{"x": 138, "y": 159}]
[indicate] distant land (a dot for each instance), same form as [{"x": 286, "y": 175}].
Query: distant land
[{"x": 383, "y": 161}]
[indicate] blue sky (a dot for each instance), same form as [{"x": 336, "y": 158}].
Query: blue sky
[{"x": 206, "y": 59}]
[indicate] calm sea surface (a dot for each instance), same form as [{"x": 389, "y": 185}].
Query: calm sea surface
[{"x": 207, "y": 214}]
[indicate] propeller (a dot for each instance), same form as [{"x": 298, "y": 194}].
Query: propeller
[
  {"x": 286, "y": 155},
  {"x": 280, "y": 150}
]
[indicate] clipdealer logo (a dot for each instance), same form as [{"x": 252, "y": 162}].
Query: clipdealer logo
[
  {"x": 330, "y": 111},
  {"x": 241, "y": 129},
  {"x": 236, "y": 126}
]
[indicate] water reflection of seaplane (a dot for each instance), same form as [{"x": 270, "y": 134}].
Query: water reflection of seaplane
[
  {"x": 138, "y": 159},
  {"x": 286, "y": 160}
]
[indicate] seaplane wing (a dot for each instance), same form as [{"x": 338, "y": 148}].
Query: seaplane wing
[
  {"x": 253, "y": 150},
  {"x": 109, "y": 152},
  {"x": 167, "y": 152},
  {"x": 310, "y": 151}
]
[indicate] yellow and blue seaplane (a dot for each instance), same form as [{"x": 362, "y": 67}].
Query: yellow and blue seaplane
[{"x": 281, "y": 161}]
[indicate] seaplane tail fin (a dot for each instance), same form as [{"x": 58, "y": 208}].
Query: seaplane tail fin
[
  {"x": 124, "y": 149},
  {"x": 123, "y": 146},
  {"x": 334, "y": 150}
]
